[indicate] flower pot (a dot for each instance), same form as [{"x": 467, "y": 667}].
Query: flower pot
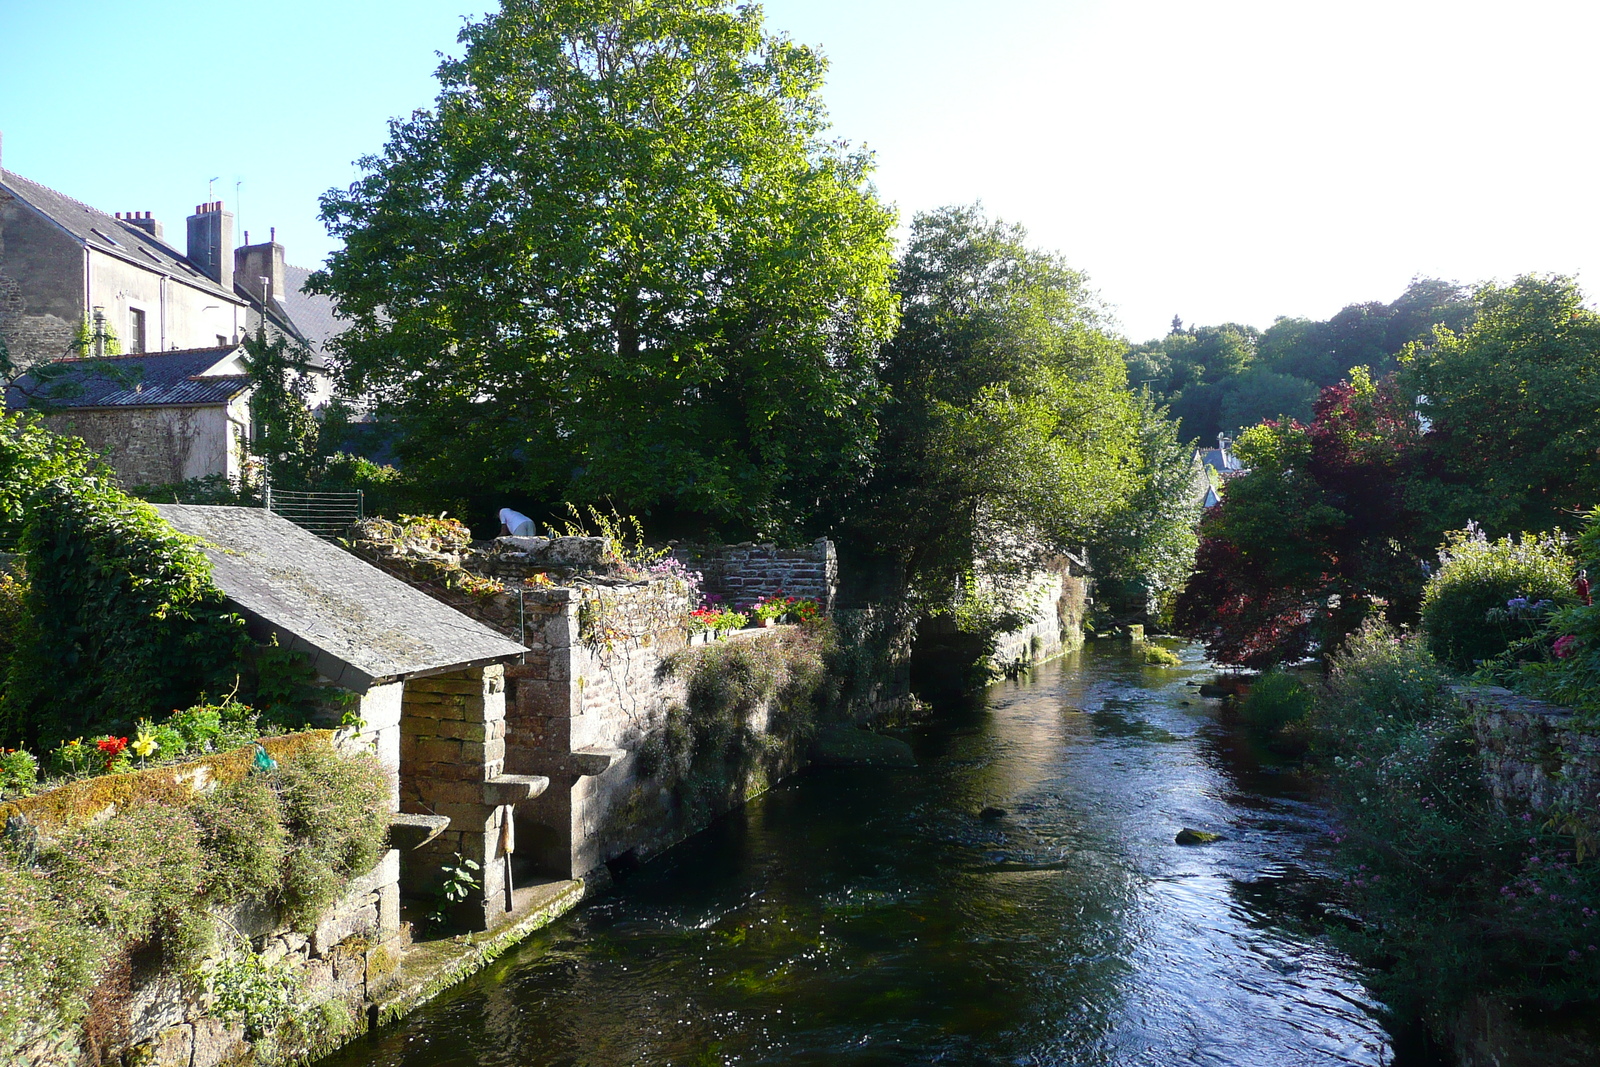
[{"x": 768, "y": 622}]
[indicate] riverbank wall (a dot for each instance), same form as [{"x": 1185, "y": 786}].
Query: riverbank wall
[
  {"x": 147, "y": 1011},
  {"x": 1542, "y": 759}
]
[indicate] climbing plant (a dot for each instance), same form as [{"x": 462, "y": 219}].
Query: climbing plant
[{"x": 122, "y": 617}]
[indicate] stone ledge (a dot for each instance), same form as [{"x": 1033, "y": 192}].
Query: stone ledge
[{"x": 430, "y": 968}]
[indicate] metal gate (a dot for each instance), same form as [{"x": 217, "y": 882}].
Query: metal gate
[{"x": 324, "y": 514}]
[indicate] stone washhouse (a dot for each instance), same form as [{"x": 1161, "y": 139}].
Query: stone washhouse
[{"x": 429, "y": 686}]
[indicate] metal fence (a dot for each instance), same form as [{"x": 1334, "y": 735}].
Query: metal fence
[{"x": 324, "y": 514}]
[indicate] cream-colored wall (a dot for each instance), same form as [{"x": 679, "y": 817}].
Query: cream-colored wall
[
  {"x": 177, "y": 314},
  {"x": 155, "y": 446}
]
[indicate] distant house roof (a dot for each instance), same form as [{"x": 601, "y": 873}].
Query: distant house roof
[
  {"x": 1219, "y": 459},
  {"x": 311, "y": 313},
  {"x": 358, "y": 625},
  {"x": 105, "y": 233},
  {"x": 187, "y": 378}
]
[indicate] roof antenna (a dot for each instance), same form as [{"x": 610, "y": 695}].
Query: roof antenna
[{"x": 211, "y": 190}]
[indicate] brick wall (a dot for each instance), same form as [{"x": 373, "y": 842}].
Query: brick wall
[{"x": 747, "y": 572}]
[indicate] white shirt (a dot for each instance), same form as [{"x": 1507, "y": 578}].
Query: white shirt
[{"x": 518, "y": 523}]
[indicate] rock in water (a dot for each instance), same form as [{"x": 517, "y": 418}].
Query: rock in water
[
  {"x": 1187, "y": 836},
  {"x": 992, "y": 813},
  {"x": 847, "y": 746}
]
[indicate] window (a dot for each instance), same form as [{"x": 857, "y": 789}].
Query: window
[{"x": 135, "y": 330}]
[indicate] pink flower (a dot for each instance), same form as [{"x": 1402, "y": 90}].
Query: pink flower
[{"x": 1563, "y": 646}]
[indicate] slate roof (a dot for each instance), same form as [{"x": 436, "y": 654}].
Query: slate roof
[
  {"x": 153, "y": 379},
  {"x": 105, "y": 233},
  {"x": 358, "y": 625},
  {"x": 311, "y": 313}
]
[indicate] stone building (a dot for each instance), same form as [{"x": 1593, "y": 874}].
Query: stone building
[
  {"x": 428, "y": 684},
  {"x": 159, "y": 418},
  {"x": 64, "y": 264}
]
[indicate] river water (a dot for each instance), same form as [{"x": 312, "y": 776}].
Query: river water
[{"x": 872, "y": 917}]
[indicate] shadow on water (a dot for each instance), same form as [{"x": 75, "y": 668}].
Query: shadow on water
[{"x": 873, "y": 917}]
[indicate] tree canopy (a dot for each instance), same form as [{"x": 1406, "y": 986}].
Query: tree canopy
[
  {"x": 1009, "y": 429},
  {"x": 1222, "y": 379},
  {"x": 1514, "y": 405},
  {"x": 620, "y": 258}
]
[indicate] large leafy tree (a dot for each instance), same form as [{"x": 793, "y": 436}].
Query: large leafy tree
[
  {"x": 1514, "y": 406},
  {"x": 621, "y": 258},
  {"x": 1009, "y": 431}
]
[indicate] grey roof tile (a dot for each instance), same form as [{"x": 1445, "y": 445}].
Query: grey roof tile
[
  {"x": 154, "y": 379},
  {"x": 96, "y": 229},
  {"x": 357, "y": 624}
]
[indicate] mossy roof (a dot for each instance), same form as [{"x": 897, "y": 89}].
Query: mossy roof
[{"x": 359, "y": 625}]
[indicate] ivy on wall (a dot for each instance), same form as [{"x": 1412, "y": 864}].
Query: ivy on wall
[{"x": 122, "y": 618}]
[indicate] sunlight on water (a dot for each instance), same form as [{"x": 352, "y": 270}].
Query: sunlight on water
[{"x": 870, "y": 917}]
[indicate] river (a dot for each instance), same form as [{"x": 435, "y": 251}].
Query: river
[{"x": 873, "y": 917}]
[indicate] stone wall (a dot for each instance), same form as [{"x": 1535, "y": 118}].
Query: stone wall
[
  {"x": 581, "y": 709},
  {"x": 157, "y": 446},
  {"x": 347, "y": 961},
  {"x": 452, "y": 752},
  {"x": 746, "y": 572},
  {"x": 1534, "y": 755}
]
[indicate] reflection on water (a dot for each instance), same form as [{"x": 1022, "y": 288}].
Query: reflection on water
[{"x": 871, "y": 917}]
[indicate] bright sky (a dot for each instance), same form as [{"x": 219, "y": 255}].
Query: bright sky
[{"x": 1225, "y": 160}]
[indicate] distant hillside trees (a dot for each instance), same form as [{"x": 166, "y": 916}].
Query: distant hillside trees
[
  {"x": 621, "y": 258},
  {"x": 1225, "y": 378}
]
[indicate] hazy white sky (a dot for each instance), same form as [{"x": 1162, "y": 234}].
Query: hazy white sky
[{"x": 1223, "y": 160}]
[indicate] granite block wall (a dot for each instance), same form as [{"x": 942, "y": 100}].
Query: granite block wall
[{"x": 748, "y": 571}]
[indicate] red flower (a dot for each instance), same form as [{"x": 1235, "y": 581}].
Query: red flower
[{"x": 1563, "y": 647}]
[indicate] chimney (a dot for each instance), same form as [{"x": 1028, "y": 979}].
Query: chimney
[
  {"x": 260, "y": 269},
  {"x": 143, "y": 220},
  {"x": 210, "y": 237}
]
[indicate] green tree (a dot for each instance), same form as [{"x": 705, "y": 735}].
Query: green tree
[
  {"x": 1514, "y": 403},
  {"x": 1145, "y": 549},
  {"x": 1009, "y": 432},
  {"x": 621, "y": 257},
  {"x": 284, "y": 434}
]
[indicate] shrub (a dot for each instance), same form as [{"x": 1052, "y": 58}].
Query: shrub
[
  {"x": 74, "y": 912},
  {"x": 122, "y": 617},
  {"x": 242, "y": 832},
  {"x": 1566, "y": 666},
  {"x": 337, "y": 821},
  {"x": 1276, "y": 700},
  {"x": 1467, "y": 609},
  {"x": 48, "y": 963},
  {"x": 19, "y": 771},
  {"x": 1379, "y": 682},
  {"x": 1454, "y": 895}
]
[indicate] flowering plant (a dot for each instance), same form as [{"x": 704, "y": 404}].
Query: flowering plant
[
  {"x": 716, "y": 619},
  {"x": 112, "y": 748},
  {"x": 772, "y": 607}
]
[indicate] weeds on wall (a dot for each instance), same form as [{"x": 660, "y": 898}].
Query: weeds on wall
[
  {"x": 1456, "y": 897},
  {"x": 712, "y": 749},
  {"x": 85, "y": 911}
]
